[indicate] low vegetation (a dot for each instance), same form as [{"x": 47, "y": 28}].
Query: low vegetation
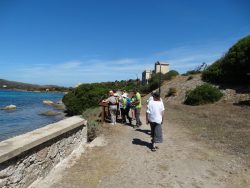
[
  {"x": 172, "y": 92},
  {"x": 92, "y": 115},
  {"x": 197, "y": 70},
  {"x": 89, "y": 95},
  {"x": 170, "y": 75},
  {"x": 155, "y": 80},
  {"x": 92, "y": 130},
  {"x": 190, "y": 77},
  {"x": 233, "y": 67},
  {"x": 203, "y": 94}
]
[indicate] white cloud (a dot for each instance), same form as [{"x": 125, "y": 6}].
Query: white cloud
[
  {"x": 188, "y": 57},
  {"x": 181, "y": 58},
  {"x": 70, "y": 65}
]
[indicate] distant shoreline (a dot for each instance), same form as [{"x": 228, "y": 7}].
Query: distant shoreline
[{"x": 34, "y": 91}]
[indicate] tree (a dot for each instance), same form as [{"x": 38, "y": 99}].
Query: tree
[{"x": 234, "y": 67}]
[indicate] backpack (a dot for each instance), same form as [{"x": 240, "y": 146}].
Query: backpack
[{"x": 129, "y": 103}]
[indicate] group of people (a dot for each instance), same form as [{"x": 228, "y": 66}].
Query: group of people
[
  {"x": 154, "y": 113},
  {"x": 121, "y": 102}
]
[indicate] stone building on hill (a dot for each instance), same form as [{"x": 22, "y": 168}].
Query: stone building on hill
[{"x": 159, "y": 67}]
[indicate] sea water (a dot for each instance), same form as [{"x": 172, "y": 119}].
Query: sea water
[{"x": 26, "y": 116}]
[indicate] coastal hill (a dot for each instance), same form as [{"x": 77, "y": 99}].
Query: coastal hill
[{"x": 6, "y": 84}]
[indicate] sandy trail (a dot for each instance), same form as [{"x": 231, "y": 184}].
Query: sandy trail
[{"x": 127, "y": 161}]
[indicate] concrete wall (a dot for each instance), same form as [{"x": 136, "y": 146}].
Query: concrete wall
[{"x": 27, "y": 157}]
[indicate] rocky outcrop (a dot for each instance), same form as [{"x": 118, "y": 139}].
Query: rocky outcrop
[
  {"x": 48, "y": 102},
  {"x": 231, "y": 96},
  {"x": 50, "y": 113},
  {"x": 59, "y": 106},
  {"x": 9, "y": 107}
]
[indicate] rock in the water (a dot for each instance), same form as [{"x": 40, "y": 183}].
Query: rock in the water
[
  {"x": 9, "y": 107},
  {"x": 47, "y": 102},
  {"x": 51, "y": 113},
  {"x": 59, "y": 106}
]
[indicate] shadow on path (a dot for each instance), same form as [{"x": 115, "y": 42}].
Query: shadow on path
[
  {"x": 148, "y": 132},
  {"x": 140, "y": 142}
]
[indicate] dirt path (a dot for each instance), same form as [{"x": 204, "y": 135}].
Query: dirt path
[{"x": 127, "y": 161}]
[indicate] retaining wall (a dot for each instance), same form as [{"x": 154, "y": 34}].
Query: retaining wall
[{"x": 25, "y": 158}]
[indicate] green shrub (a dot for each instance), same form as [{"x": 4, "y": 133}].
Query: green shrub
[
  {"x": 172, "y": 92},
  {"x": 154, "y": 85},
  {"x": 154, "y": 81},
  {"x": 203, "y": 94},
  {"x": 236, "y": 63},
  {"x": 144, "y": 89},
  {"x": 83, "y": 97},
  {"x": 234, "y": 67},
  {"x": 190, "y": 78},
  {"x": 72, "y": 103},
  {"x": 170, "y": 75},
  {"x": 89, "y": 95},
  {"x": 213, "y": 73}
]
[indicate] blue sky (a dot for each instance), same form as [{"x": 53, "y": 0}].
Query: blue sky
[{"x": 66, "y": 42}]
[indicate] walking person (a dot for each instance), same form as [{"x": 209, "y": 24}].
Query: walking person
[
  {"x": 155, "y": 116},
  {"x": 137, "y": 104},
  {"x": 112, "y": 103}
]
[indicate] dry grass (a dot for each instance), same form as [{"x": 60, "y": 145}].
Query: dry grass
[
  {"x": 225, "y": 126},
  {"x": 90, "y": 169}
]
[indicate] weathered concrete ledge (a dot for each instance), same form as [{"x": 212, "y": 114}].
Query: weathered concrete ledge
[{"x": 27, "y": 157}]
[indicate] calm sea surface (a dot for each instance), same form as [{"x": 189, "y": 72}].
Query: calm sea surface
[{"x": 26, "y": 117}]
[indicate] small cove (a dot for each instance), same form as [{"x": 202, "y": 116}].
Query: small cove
[{"x": 26, "y": 116}]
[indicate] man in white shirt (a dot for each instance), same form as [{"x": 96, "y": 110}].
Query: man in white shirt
[
  {"x": 155, "y": 116},
  {"x": 151, "y": 97}
]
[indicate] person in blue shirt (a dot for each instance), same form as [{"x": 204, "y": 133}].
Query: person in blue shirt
[{"x": 126, "y": 105}]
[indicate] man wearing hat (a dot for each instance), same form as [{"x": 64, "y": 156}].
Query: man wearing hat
[{"x": 155, "y": 116}]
